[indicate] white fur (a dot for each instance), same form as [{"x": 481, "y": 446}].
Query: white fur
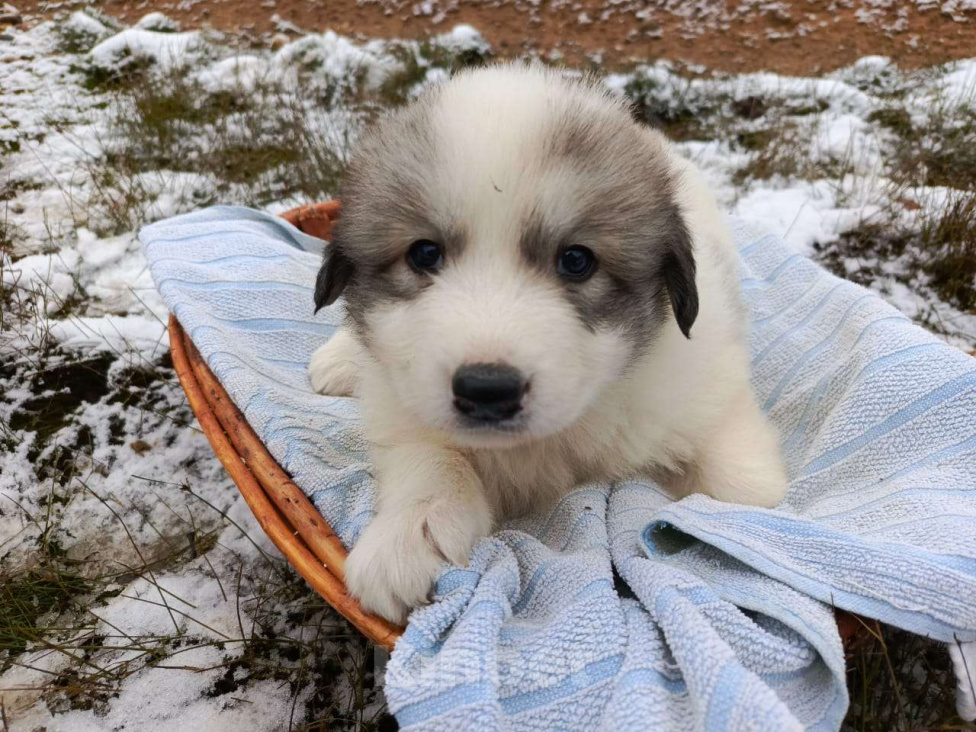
[
  {"x": 685, "y": 413},
  {"x": 963, "y": 657},
  {"x": 334, "y": 367}
]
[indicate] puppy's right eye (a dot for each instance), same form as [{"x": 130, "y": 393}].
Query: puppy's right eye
[
  {"x": 576, "y": 263},
  {"x": 425, "y": 256}
]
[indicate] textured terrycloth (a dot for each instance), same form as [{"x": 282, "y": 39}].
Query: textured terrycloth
[{"x": 718, "y": 616}]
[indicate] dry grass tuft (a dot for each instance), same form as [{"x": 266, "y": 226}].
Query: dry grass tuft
[
  {"x": 774, "y": 153},
  {"x": 675, "y": 107},
  {"x": 415, "y": 63},
  {"x": 252, "y": 147},
  {"x": 899, "y": 682},
  {"x": 949, "y": 241},
  {"x": 938, "y": 152}
]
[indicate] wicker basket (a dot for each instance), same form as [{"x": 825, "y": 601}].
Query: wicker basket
[{"x": 284, "y": 512}]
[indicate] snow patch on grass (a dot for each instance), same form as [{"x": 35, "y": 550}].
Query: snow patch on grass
[{"x": 137, "y": 45}]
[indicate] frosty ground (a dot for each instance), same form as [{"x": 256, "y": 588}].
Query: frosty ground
[{"x": 135, "y": 587}]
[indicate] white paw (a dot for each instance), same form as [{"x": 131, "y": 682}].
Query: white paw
[
  {"x": 392, "y": 568},
  {"x": 334, "y": 368},
  {"x": 964, "y": 664},
  {"x": 740, "y": 461}
]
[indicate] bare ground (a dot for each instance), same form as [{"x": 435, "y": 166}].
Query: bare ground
[{"x": 793, "y": 36}]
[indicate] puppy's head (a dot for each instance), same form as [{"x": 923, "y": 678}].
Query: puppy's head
[{"x": 508, "y": 246}]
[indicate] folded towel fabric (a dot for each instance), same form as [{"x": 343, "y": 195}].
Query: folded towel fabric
[{"x": 619, "y": 609}]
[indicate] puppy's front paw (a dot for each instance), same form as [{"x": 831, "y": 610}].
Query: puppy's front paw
[
  {"x": 392, "y": 568},
  {"x": 333, "y": 369},
  {"x": 389, "y": 579},
  {"x": 741, "y": 461}
]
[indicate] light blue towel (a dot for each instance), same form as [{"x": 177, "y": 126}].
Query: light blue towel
[{"x": 619, "y": 609}]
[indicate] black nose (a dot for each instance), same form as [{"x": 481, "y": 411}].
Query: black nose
[{"x": 490, "y": 392}]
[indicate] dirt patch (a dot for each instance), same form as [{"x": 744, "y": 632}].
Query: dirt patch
[
  {"x": 62, "y": 389},
  {"x": 792, "y": 37}
]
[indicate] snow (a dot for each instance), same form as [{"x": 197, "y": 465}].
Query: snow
[
  {"x": 964, "y": 661},
  {"x": 463, "y": 37},
  {"x": 89, "y": 295},
  {"x": 158, "y": 22},
  {"x": 960, "y": 83},
  {"x": 49, "y": 274},
  {"x": 193, "y": 603},
  {"x": 146, "y": 703},
  {"x": 82, "y": 23},
  {"x": 141, "y": 455},
  {"x": 135, "y": 335},
  {"x": 167, "y": 50},
  {"x": 336, "y": 58},
  {"x": 801, "y": 214},
  {"x": 236, "y": 72}
]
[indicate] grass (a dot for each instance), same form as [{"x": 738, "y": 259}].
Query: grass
[
  {"x": 253, "y": 147},
  {"x": 54, "y": 610},
  {"x": 868, "y": 245},
  {"x": 937, "y": 250},
  {"x": 415, "y": 62},
  {"x": 774, "y": 153},
  {"x": 8, "y": 234},
  {"x": 62, "y": 391},
  {"x": 931, "y": 237},
  {"x": 127, "y": 75},
  {"x": 938, "y": 152},
  {"x": 899, "y": 682},
  {"x": 894, "y": 119},
  {"x": 74, "y": 40},
  {"x": 948, "y": 238},
  {"x": 675, "y": 107},
  {"x": 48, "y": 593},
  {"x": 53, "y": 596},
  {"x": 687, "y": 111},
  {"x": 11, "y": 188}
]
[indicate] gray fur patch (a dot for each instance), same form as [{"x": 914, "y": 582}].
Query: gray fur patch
[
  {"x": 385, "y": 208},
  {"x": 624, "y": 210}
]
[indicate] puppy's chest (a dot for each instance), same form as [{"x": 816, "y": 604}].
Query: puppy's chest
[
  {"x": 601, "y": 448},
  {"x": 520, "y": 480}
]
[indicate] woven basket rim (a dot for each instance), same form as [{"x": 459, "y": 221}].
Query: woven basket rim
[{"x": 284, "y": 512}]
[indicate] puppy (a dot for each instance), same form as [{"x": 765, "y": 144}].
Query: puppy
[{"x": 539, "y": 293}]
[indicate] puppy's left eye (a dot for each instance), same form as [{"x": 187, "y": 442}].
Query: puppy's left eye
[
  {"x": 576, "y": 263},
  {"x": 425, "y": 256}
]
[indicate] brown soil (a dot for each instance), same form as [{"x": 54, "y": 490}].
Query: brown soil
[{"x": 793, "y": 36}]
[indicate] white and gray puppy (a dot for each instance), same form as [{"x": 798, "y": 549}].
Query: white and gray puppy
[{"x": 539, "y": 293}]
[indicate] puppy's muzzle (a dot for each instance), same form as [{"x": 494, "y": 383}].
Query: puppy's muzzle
[{"x": 489, "y": 392}]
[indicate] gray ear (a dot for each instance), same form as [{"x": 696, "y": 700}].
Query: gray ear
[
  {"x": 678, "y": 271},
  {"x": 335, "y": 273}
]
